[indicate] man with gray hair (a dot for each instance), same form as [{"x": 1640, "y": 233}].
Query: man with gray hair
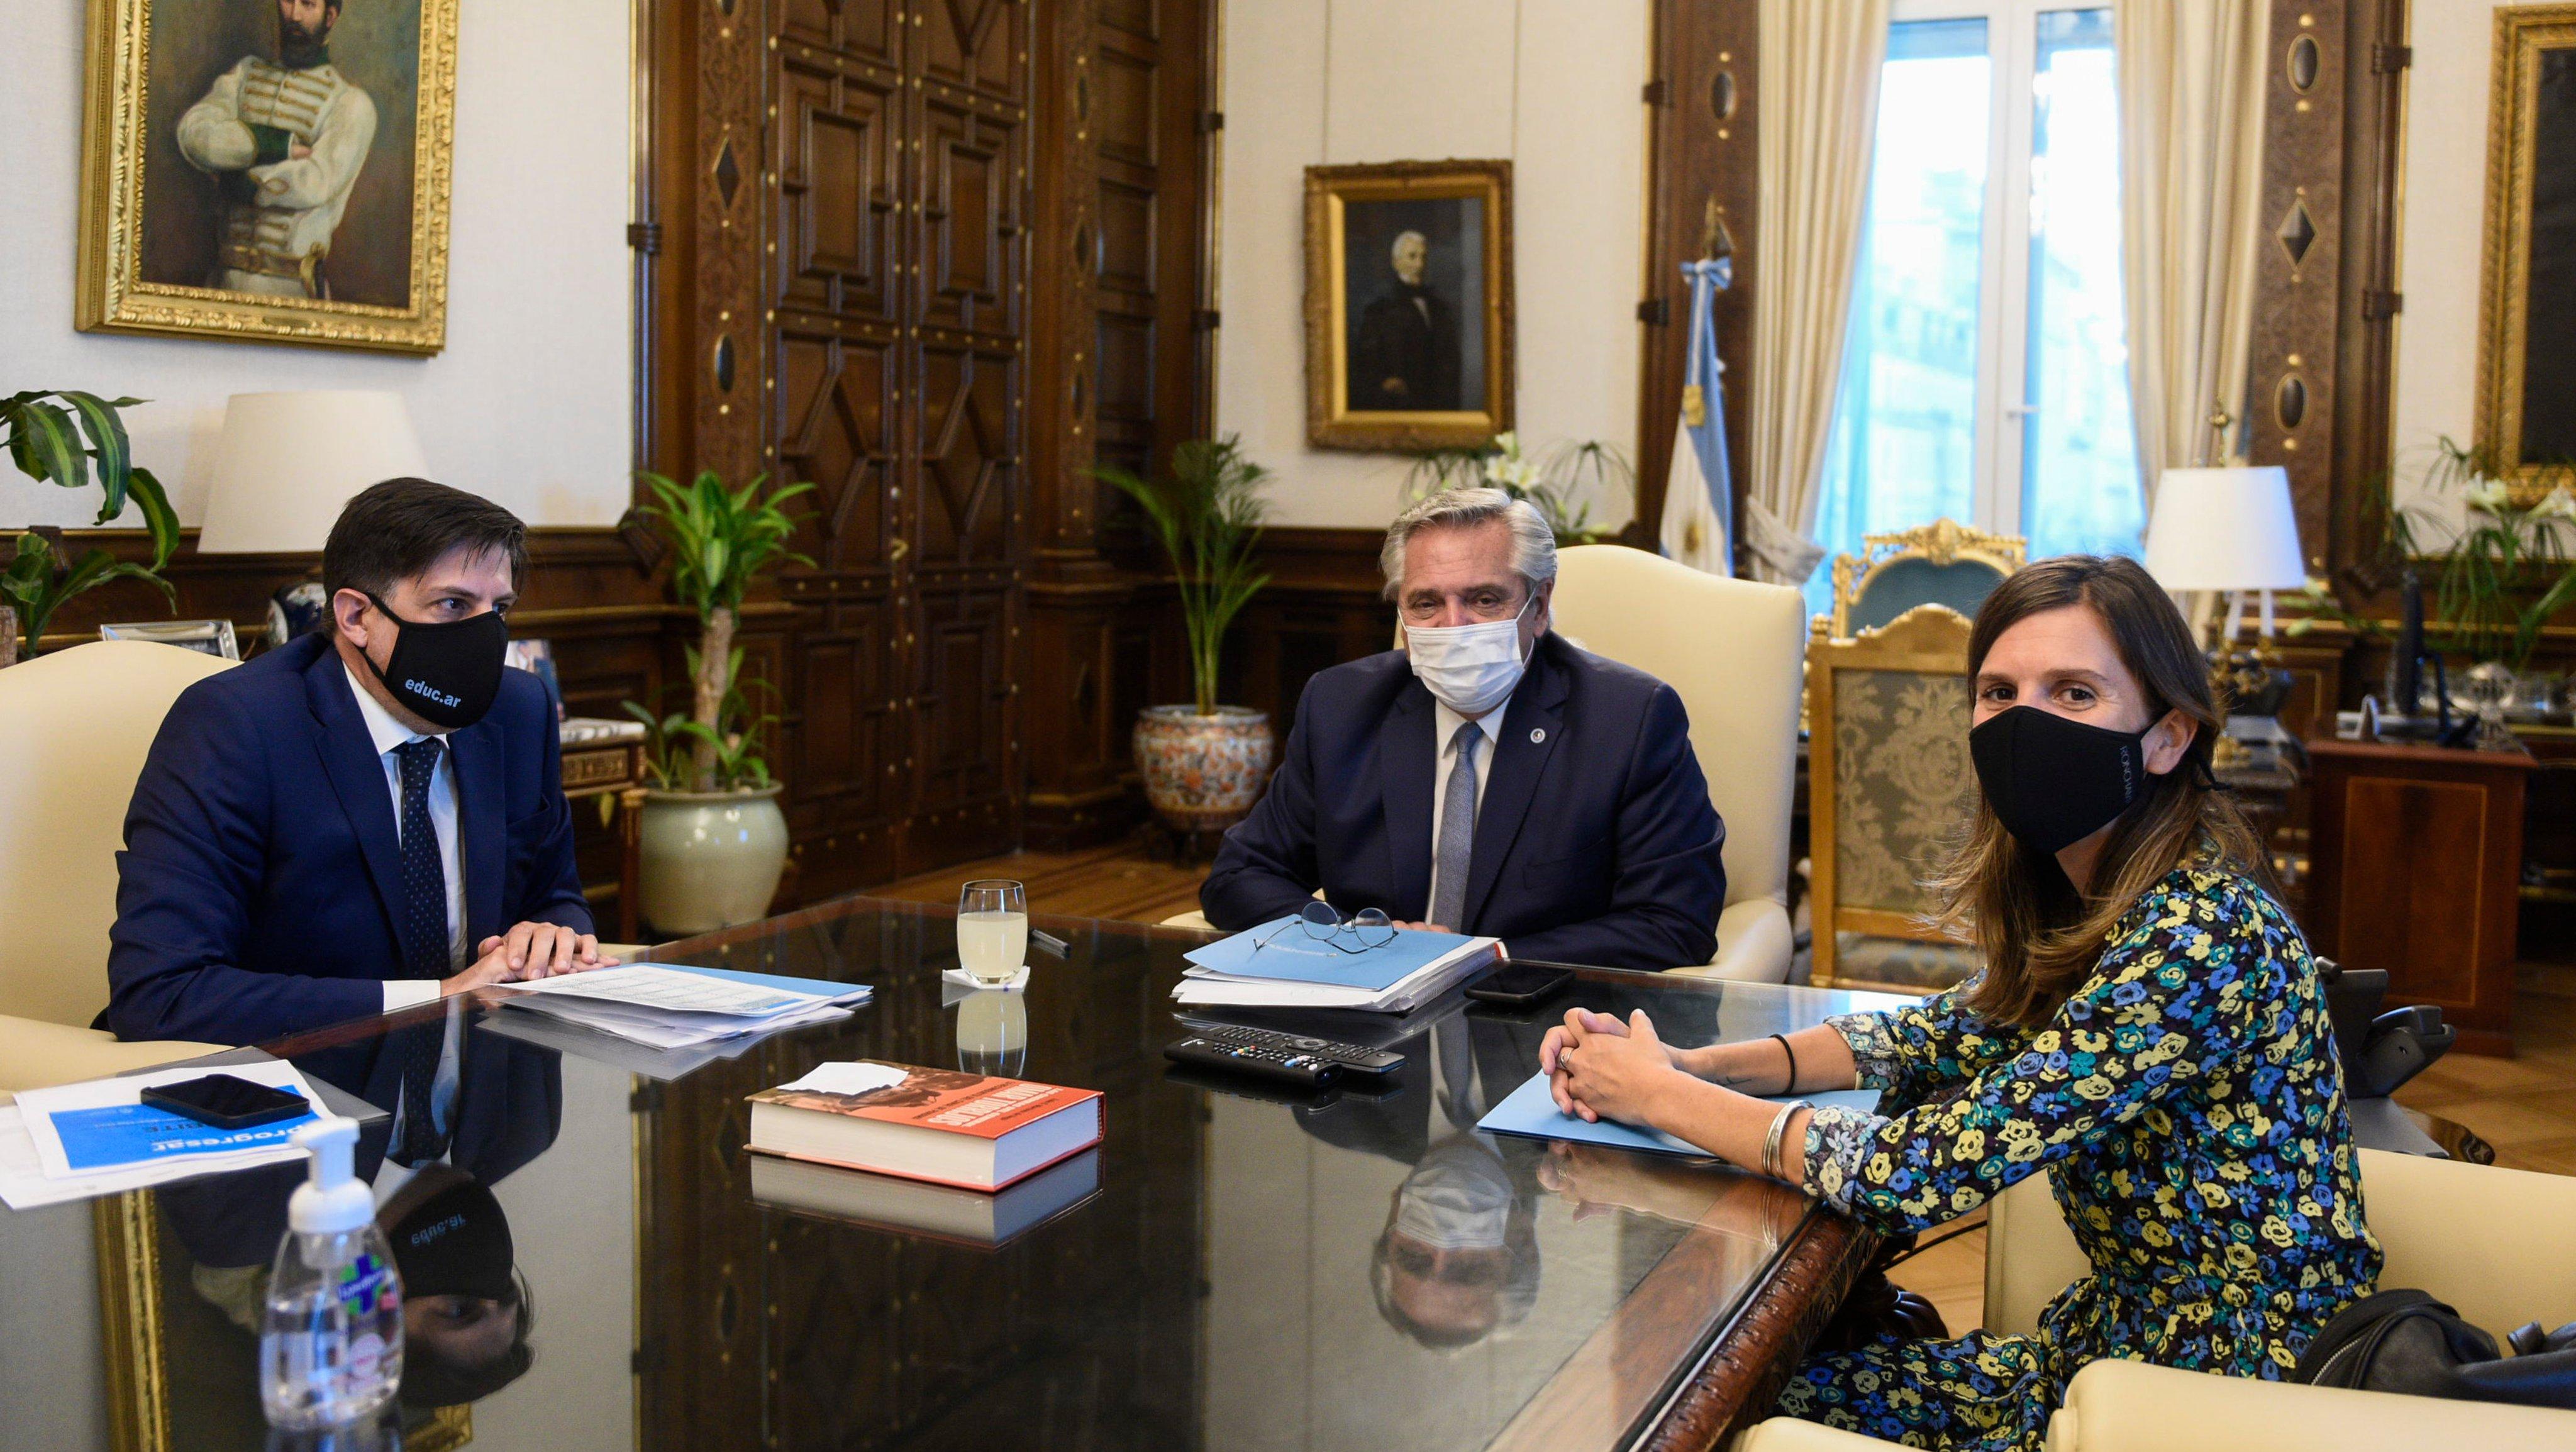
[{"x": 1489, "y": 778}]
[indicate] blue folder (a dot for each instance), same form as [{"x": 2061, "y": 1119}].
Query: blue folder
[
  {"x": 1531, "y": 1113},
  {"x": 824, "y": 986},
  {"x": 1289, "y": 956}
]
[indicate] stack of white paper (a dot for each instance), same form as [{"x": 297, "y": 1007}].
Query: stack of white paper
[
  {"x": 98, "y": 1138},
  {"x": 1278, "y": 965},
  {"x": 677, "y": 1008}
]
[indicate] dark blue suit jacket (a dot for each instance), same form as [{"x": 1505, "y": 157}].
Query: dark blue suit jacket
[
  {"x": 1595, "y": 842},
  {"x": 261, "y": 873}
]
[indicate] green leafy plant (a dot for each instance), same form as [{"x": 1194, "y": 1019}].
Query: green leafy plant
[
  {"x": 68, "y": 438},
  {"x": 1558, "y": 484},
  {"x": 2500, "y": 577},
  {"x": 674, "y": 744},
  {"x": 721, "y": 540},
  {"x": 1208, "y": 516}
]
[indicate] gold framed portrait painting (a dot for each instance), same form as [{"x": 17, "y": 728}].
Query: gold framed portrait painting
[
  {"x": 1408, "y": 304},
  {"x": 2526, "y": 411},
  {"x": 269, "y": 170}
]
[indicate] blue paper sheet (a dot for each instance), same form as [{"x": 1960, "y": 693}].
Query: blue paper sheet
[
  {"x": 135, "y": 1134},
  {"x": 1531, "y": 1112},
  {"x": 1290, "y": 956}
]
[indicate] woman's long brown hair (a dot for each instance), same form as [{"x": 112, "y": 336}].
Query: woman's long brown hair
[{"x": 2039, "y": 942}]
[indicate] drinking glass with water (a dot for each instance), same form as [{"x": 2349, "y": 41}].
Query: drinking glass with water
[{"x": 992, "y": 930}]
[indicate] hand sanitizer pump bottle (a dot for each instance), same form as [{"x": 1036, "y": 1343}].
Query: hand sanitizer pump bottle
[{"x": 331, "y": 1343}]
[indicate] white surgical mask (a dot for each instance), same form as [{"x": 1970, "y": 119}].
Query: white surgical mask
[
  {"x": 1471, "y": 668},
  {"x": 1458, "y": 1198}
]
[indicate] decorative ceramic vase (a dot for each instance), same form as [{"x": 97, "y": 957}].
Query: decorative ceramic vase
[
  {"x": 1203, "y": 773},
  {"x": 711, "y": 859}
]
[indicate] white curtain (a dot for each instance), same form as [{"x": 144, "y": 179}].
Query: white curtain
[
  {"x": 2191, "y": 179},
  {"x": 1818, "y": 116}
]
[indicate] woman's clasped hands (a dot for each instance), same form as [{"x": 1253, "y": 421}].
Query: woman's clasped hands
[{"x": 1599, "y": 1067}]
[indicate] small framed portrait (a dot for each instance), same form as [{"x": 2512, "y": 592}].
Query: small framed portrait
[
  {"x": 269, "y": 170},
  {"x": 1408, "y": 304}
]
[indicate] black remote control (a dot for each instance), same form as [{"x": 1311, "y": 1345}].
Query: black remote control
[
  {"x": 1286, "y": 1066},
  {"x": 1349, "y": 1058}
]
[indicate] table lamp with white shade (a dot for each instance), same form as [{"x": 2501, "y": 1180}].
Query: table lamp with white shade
[
  {"x": 2232, "y": 531},
  {"x": 2226, "y": 530},
  {"x": 286, "y": 465}
]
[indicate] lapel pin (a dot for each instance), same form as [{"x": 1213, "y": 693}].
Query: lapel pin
[{"x": 1537, "y": 735}]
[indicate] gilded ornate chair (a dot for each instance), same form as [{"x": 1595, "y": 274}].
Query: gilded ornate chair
[
  {"x": 1942, "y": 563},
  {"x": 1888, "y": 781}
]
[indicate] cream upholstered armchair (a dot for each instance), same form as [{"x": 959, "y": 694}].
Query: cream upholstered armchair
[
  {"x": 74, "y": 729},
  {"x": 2493, "y": 1243},
  {"x": 1731, "y": 649}
]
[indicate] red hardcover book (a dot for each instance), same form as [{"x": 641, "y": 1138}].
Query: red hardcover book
[{"x": 949, "y": 1128}]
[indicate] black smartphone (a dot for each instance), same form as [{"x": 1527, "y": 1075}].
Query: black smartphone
[
  {"x": 226, "y": 1101},
  {"x": 1520, "y": 985}
]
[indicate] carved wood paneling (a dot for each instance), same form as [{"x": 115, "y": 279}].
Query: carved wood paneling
[
  {"x": 2292, "y": 386},
  {"x": 1700, "y": 148},
  {"x": 1118, "y": 368},
  {"x": 852, "y": 312}
]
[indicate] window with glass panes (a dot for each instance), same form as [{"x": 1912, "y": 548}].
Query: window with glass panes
[{"x": 1985, "y": 374}]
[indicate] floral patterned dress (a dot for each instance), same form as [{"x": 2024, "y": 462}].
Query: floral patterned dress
[{"x": 2188, "y": 1108}]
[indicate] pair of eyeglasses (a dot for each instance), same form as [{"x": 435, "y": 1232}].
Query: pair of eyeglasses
[{"x": 1322, "y": 922}]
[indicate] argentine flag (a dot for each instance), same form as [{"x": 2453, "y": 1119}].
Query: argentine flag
[{"x": 1699, "y": 493}]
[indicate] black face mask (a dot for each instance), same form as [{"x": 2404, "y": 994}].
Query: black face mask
[
  {"x": 2054, "y": 782},
  {"x": 445, "y": 674},
  {"x": 456, "y": 1243}
]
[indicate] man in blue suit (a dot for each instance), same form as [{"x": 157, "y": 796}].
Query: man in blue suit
[
  {"x": 1490, "y": 778},
  {"x": 368, "y": 818}
]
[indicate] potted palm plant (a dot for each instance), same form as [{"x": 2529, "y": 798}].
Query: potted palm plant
[
  {"x": 714, "y": 841},
  {"x": 43, "y": 430},
  {"x": 1204, "y": 763}
]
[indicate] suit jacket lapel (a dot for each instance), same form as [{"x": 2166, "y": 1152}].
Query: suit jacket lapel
[
  {"x": 1406, "y": 757},
  {"x": 476, "y": 758},
  {"x": 1530, "y": 733},
  {"x": 357, "y": 778}
]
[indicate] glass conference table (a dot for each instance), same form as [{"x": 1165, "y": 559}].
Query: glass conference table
[{"x": 1234, "y": 1267}]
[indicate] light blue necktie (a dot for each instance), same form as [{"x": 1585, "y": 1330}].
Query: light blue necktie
[{"x": 1457, "y": 831}]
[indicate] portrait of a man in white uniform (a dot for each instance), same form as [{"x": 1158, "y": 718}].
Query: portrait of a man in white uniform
[{"x": 284, "y": 137}]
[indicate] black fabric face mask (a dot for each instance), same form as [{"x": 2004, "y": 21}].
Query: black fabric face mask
[
  {"x": 456, "y": 1243},
  {"x": 2054, "y": 782},
  {"x": 446, "y": 674}
]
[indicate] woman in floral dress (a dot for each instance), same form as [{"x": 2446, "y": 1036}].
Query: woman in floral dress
[{"x": 2149, "y": 1030}]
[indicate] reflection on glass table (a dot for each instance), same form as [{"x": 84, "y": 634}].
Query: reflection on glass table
[{"x": 1234, "y": 1268}]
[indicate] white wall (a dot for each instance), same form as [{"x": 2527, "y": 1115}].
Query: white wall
[
  {"x": 2442, "y": 229},
  {"x": 1552, "y": 84},
  {"x": 527, "y": 405}
]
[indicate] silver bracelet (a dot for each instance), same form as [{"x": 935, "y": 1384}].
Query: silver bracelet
[{"x": 1771, "y": 1143}]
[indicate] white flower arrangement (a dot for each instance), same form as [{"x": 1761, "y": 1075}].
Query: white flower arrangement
[{"x": 2487, "y": 496}]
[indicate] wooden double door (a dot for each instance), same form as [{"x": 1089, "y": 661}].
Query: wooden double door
[
  {"x": 848, "y": 307},
  {"x": 937, "y": 257}
]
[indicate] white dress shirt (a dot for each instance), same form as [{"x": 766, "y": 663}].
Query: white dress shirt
[
  {"x": 1444, "y": 745},
  {"x": 387, "y": 733}
]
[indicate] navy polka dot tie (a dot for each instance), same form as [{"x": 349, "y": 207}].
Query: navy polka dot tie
[{"x": 424, "y": 945}]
